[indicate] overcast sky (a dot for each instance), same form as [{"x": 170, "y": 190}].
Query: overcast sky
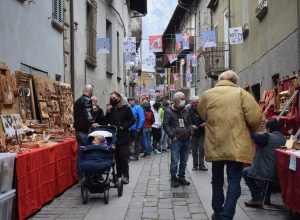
[{"x": 156, "y": 21}]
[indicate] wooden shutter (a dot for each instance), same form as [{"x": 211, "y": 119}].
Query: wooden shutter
[
  {"x": 57, "y": 14},
  {"x": 91, "y": 31}
]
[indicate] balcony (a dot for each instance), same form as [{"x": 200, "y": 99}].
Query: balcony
[{"x": 216, "y": 59}]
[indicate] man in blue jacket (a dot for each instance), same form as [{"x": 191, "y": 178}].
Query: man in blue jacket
[{"x": 136, "y": 129}]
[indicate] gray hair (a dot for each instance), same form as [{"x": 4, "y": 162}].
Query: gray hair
[
  {"x": 88, "y": 88},
  {"x": 178, "y": 95},
  {"x": 228, "y": 75},
  {"x": 195, "y": 98}
]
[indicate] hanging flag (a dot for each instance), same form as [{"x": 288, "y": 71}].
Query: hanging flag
[
  {"x": 235, "y": 35},
  {"x": 129, "y": 45},
  {"x": 150, "y": 62},
  {"x": 188, "y": 60},
  {"x": 155, "y": 43},
  {"x": 129, "y": 59},
  {"x": 194, "y": 60},
  {"x": 209, "y": 39},
  {"x": 178, "y": 45},
  {"x": 172, "y": 58},
  {"x": 172, "y": 87},
  {"x": 103, "y": 45},
  {"x": 185, "y": 41},
  {"x": 189, "y": 77},
  {"x": 175, "y": 76}
]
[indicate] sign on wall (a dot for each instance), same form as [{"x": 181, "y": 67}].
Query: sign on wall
[
  {"x": 235, "y": 35},
  {"x": 209, "y": 39},
  {"x": 103, "y": 45},
  {"x": 155, "y": 43},
  {"x": 129, "y": 45}
]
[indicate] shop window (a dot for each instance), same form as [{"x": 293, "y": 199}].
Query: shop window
[
  {"x": 57, "y": 14},
  {"x": 256, "y": 91},
  {"x": 91, "y": 28}
]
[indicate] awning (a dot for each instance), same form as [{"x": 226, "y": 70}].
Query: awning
[{"x": 139, "y": 6}]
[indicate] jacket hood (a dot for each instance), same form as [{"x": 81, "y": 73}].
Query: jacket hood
[
  {"x": 226, "y": 83},
  {"x": 123, "y": 102}
]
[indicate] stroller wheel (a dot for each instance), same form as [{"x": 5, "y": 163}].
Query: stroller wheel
[
  {"x": 84, "y": 194},
  {"x": 106, "y": 196},
  {"x": 120, "y": 187}
]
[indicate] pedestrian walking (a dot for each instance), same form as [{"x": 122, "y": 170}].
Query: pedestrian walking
[
  {"x": 136, "y": 128},
  {"x": 146, "y": 133},
  {"x": 120, "y": 115},
  {"x": 230, "y": 114},
  {"x": 83, "y": 121},
  {"x": 198, "y": 136},
  {"x": 156, "y": 128},
  {"x": 263, "y": 168},
  {"x": 164, "y": 137},
  {"x": 178, "y": 125}
]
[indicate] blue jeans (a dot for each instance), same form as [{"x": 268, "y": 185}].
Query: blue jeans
[
  {"x": 146, "y": 135},
  {"x": 163, "y": 140},
  {"x": 256, "y": 193},
  {"x": 81, "y": 141},
  {"x": 225, "y": 210},
  {"x": 179, "y": 153}
]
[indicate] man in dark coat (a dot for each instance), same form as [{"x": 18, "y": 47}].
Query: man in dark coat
[
  {"x": 178, "y": 125},
  {"x": 198, "y": 136},
  {"x": 263, "y": 167},
  {"x": 83, "y": 120},
  {"x": 120, "y": 115}
]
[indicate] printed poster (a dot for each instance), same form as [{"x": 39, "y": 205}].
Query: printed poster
[
  {"x": 235, "y": 35},
  {"x": 129, "y": 45},
  {"x": 155, "y": 44},
  {"x": 209, "y": 39},
  {"x": 103, "y": 45}
]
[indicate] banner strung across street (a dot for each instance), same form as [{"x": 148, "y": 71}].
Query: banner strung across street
[
  {"x": 189, "y": 77},
  {"x": 172, "y": 87},
  {"x": 209, "y": 39},
  {"x": 155, "y": 43},
  {"x": 129, "y": 45},
  {"x": 103, "y": 45},
  {"x": 185, "y": 41},
  {"x": 178, "y": 45},
  {"x": 235, "y": 35},
  {"x": 172, "y": 58},
  {"x": 188, "y": 60}
]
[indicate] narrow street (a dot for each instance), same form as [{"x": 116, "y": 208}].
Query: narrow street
[{"x": 149, "y": 196}]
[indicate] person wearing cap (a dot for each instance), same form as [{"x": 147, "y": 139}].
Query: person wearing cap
[
  {"x": 136, "y": 128},
  {"x": 146, "y": 134}
]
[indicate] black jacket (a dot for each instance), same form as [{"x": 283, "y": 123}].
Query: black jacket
[
  {"x": 196, "y": 120},
  {"x": 121, "y": 117},
  {"x": 172, "y": 126},
  {"x": 83, "y": 118}
]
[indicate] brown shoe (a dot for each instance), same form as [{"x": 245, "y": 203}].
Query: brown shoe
[{"x": 254, "y": 204}]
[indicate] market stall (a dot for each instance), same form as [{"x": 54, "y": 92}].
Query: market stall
[
  {"x": 288, "y": 167},
  {"x": 36, "y": 123}
]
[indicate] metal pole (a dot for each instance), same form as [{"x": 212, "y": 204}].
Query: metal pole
[
  {"x": 229, "y": 25},
  {"x": 72, "y": 67}
]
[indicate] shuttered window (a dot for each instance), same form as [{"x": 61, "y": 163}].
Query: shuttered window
[
  {"x": 91, "y": 32},
  {"x": 57, "y": 14}
]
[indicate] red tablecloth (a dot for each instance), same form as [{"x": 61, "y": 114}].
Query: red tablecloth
[
  {"x": 44, "y": 173},
  {"x": 289, "y": 180}
]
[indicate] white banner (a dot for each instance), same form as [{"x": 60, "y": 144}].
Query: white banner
[
  {"x": 235, "y": 35},
  {"x": 129, "y": 45}
]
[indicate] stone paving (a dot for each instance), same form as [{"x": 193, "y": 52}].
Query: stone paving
[
  {"x": 149, "y": 196},
  {"x": 153, "y": 198}
]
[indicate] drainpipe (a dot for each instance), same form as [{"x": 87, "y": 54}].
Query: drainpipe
[
  {"x": 195, "y": 52},
  {"x": 72, "y": 46}
]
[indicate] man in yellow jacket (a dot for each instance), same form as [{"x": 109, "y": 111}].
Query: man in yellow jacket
[{"x": 231, "y": 114}]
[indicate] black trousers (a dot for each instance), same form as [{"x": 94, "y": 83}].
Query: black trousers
[
  {"x": 122, "y": 153},
  {"x": 135, "y": 143},
  {"x": 156, "y": 133}
]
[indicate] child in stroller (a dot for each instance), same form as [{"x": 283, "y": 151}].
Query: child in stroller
[{"x": 97, "y": 164}]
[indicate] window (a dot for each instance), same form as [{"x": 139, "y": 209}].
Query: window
[
  {"x": 109, "y": 56},
  {"x": 57, "y": 14},
  {"x": 226, "y": 40},
  {"x": 91, "y": 32},
  {"x": 245, "y": 12}
]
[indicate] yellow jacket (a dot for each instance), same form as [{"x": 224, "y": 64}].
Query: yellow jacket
[{"x": 231, "y": 113}]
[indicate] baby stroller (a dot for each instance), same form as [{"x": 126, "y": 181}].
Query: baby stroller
[{"x": 99, "y": 171}]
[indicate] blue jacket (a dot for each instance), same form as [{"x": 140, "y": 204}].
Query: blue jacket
[{"x": 138, "y": 113}]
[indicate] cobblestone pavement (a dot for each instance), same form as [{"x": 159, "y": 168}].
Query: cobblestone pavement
[
  {"x": 153, "y": 198},
  {"x": 149, "y": 196}
]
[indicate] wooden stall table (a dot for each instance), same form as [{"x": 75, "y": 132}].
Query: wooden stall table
[
  {"x": 288, "y": 180},
  {"x": 43, "y": 173}
]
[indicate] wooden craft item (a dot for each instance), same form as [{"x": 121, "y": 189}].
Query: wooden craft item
[
  {"x": 43, "y": 110},
  {"x": 12, "y": 124},
  {"x": 6, "y": 87}
]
